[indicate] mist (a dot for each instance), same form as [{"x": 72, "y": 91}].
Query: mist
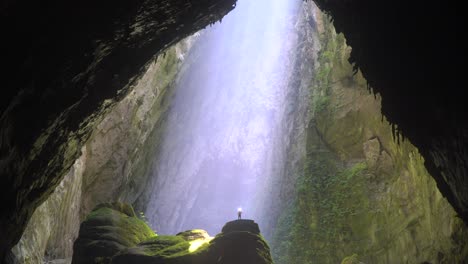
[{"x": 218, "y": 150}]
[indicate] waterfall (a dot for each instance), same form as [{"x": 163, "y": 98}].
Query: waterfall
[{"x": 217, "y": 153}]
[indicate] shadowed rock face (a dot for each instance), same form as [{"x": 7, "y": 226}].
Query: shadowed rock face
[
  {"x": 113, "y": 234},
  {"x": 412, "y": 54},
  {"x": 66, "y": 65}
]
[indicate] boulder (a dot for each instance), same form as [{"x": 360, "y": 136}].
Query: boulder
[
  {"x": 112, "y": 233},
  {"x": 108, "y": 229}
]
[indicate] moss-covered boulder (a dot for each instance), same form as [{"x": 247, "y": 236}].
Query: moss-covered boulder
[
  {"x": 113, "y": 234},
  {"x": 167, "y": 249},
  {"x": 239, "y": 242},
  {"x": 108, "y": 229}
]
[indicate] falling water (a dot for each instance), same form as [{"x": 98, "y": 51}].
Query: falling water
[{"x": 222, "y": 129}]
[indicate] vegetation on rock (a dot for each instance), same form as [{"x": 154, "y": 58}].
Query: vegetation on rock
[
  {"x": 360, "y": 191},
  {"x": 114, "y": 164},
  {"x": 351, "y": 260},
  {"x": 112, "y": 233},
  {"x": 107, "y": 230}
]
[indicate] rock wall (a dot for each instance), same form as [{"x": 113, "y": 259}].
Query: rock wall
[
  {"x": 113, "y": 166},
  {"x": 290, "y": 150},
  {"x": 122, "y": 147},
  {"x": 416, "y": 62},
  {"x": 54, "y": 226},
  {"x": 362, "y": 190}
]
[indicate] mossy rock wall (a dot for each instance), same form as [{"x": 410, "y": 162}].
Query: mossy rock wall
[
  {"x": 363, "y": 191},
  {"x": 114, "y": 164},
  {"x": 290, "y": 149}
]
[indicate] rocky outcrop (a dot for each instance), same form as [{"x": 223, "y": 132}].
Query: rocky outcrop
[
  {"x": 239, "y": 242},
  {"x": 67, "y": 64},
  {"x": 113, "y": 234},
  {"x": 240, "y": 226},
  {"x": 362, "y": 192}
]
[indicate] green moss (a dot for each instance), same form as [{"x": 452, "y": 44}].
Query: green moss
[
  {"x": 227, "y": 248},
  {"x": 166, "y": 246},
  {"x": 108, "y": 229},
  {"x": 282, "y": 239},
  {"x": 109, "y": 235},
  {"x": 356, "y": 169},
  {"x": 192, "y": 233},
  {"x": 129, "y": 230},
  {"x": 323, "y": 74},
  {"x": 328, "y": 195},
  {"x": 351, "y": 260},
  {"x": 321, "y": 103},
  {"x": 170, "y": 64}
]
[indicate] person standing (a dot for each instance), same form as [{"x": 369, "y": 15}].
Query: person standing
[{"x": 239, "y": 213}]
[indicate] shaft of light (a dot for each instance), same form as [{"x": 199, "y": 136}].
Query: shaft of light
[{"x": 221, "y": 130}]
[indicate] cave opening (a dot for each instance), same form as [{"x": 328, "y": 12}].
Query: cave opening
[
  {"x": 223, "y": 142},
  {"x": 263, "y": 111}
]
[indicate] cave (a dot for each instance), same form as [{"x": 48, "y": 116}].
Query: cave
[{"x": 131, "y": 131}]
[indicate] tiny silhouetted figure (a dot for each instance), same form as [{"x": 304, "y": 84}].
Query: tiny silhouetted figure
[{"x": 239, "y": 213}]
